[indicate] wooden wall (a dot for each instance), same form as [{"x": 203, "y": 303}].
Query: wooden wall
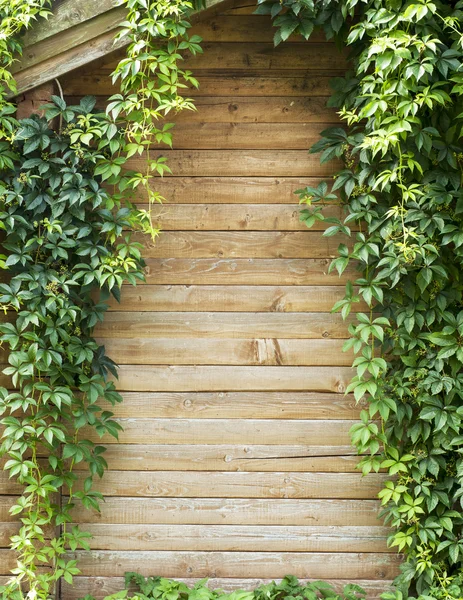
[{"x": 235, "y": 461}]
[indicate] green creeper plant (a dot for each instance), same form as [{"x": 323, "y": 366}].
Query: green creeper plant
[
  {"x": 67, "y": 214},
  {"x": 290, "y": 588},
  {"x": 400, "y": 183}
]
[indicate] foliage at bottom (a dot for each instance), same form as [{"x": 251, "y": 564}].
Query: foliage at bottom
[{"x": 290, "y": 588}]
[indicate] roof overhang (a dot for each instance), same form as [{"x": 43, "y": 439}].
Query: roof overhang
[{"x": 78, "y": 32}]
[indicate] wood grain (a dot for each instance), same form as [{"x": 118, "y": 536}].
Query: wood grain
[
  {"x": 234, "y": 217},
  {"x": 232, "y": 511},
  {"x": 238, "y": 538},
  {"x": 239, "y": 405},
  {"x": 231, "y": 457},
  {"x": 268, "y": 351},
  {"x": 44, "y": 46},
  {"x": 66, "y": 61},
  {"x": 245, "y": 56},
  {"x": 354, "y": 565},
  {"x": 225, "y": 298},
  {"x": 239, "y": 163},
  {"x": 231, "y": 190},
  {"x": 244, "y": 28},
  {"x": 244, "y": 271},
  {"x": 272, "y": 110},
  {"x": 97, "y": 81},
  {"x": 233, "y": 431},
  {"x": 242, "y": 325},
  {"x": 242, "y": 244},
  {"x": 201, "y": 484},
  {"x": 139, "y": 378}
]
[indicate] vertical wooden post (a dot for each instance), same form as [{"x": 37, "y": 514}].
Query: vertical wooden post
[{"x": 29, "y": 103}]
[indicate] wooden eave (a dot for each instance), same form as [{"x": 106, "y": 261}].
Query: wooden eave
[{"x": 78, "y": 32}]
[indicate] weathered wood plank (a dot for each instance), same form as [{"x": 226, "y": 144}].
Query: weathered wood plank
[
  {"x": 244, "y": 56},
  {"x": 204, "y": 484},
  {"x": 249, "y": 122},
  {"x": 234, "y": 217},
  {"x": 239, "y": 405},
  {"x": 99, "y": 587},
  {"x": 224, "y": 298},
  {"x": 244, "y": 28},
  {"x": 139, "y": 378},
  {"x": 223, "y": 325},
  {"x": 96, "y": 81},
  {"x": 240, "y": 163},
  {"x": 167, "y": 351},
  {"x": 236, "y": 135},
  {"x": 256, "y": 109},
  {"x": 6, "y": 531},
  {"x": 231, "y": 431},
  {"x": 238, "y": 538},
  {"x": 6, "y": 502},
  {"x": 231, "y": 190},
  {"x": 65, "y": 39},
  {"x": 67, "y": 14},
  {"x": 231, "y": 457},
  {"x": 236, "y": 564},
  {"x": 233, "y": 511},
  {"x": 241, "y": 244},
  {"x": 67, "y": 61},
  {"x": 241, "y": 271}
]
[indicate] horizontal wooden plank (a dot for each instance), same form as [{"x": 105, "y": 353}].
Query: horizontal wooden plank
[
  {"x": 139, "y": 378},
  {"x": 248, "y": 122},
  {"x": 231, "y": 457},
  {"x": 8, "y": 561},
  {"x": 199, "y": 351},
  {"x": 244, "y": 56},
  {"x": 244, "y": 28},
  {"x": 9, "y": 487},
  {"x": 244, "y": 271},
  {"x": 225, "y": 298},
  {"x": 240, "y": 564},
  {"x": 230, "y": 431},
  {"x": 230, "y": 190},
  {"x": 241, "y": 244},
  {"x": 234, "y": 217},
  {"x": 257, "y": 109},
  {"x": 6, "y": 502},
  {"x": 138, "y": 325},
  {"x": 99, "y": 587},
  {"x": 233, "y": 511},
  {"x": 239, "y": 405},
  {"x": 212, "y": 484},
  {"x": 6, "y": 531},
  {"x": 238, "y": 538},
  {"x": 241, "y": 163},
  {"x": 96, "y": 81},
  {"x": 203, "y": 133}
]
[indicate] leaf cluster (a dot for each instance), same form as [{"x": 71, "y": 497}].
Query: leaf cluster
[{"x": 290, "y": 588}]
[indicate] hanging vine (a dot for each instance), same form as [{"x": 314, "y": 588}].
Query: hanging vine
[{"x": 67, "y": 217}]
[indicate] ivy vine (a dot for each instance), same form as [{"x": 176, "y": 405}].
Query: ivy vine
[
  {"x": 401, "y": 184},
  {"x": 67, "y": 215}
]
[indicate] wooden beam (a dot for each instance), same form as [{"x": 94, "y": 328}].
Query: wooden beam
[{"x": 80, "y": 31}]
